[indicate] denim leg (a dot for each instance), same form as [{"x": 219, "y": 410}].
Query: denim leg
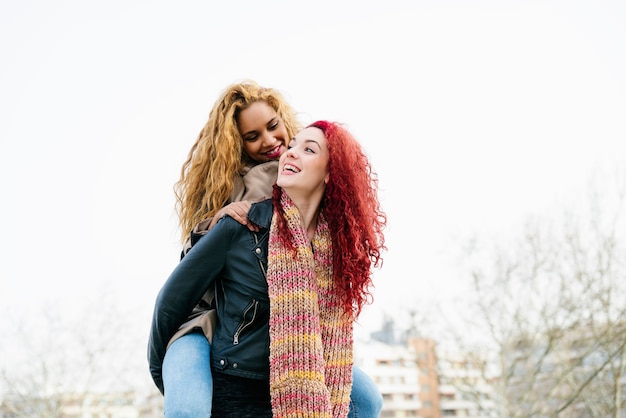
[
  {"x": 365, "y": 399},
  {"x": 187, "y": 378}
]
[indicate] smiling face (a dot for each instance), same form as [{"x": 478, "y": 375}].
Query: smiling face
[
  {"x": 304, "y": 166},
  {"x": 263, "y": 132}
]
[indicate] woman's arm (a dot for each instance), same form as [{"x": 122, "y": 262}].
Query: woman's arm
[
  {"x": 191, "y": 278},
  {"x": 236, "y": 210}
]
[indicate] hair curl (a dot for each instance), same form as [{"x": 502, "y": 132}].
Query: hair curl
[
  {"x": 207, "y": 176},
  {"x": 354, "y": 215}
]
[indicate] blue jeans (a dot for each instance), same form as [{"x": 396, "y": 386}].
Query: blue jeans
[
  {"x": 365, "y": 399},
  {"x": 187, "y": 379},
  {"x": 188, "y": 382}
]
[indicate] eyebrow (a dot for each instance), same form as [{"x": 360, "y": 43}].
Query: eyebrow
[{"x": 308, "y": 141}]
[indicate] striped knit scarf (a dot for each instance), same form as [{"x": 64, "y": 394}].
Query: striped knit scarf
[{"x": 310, "y": 334}]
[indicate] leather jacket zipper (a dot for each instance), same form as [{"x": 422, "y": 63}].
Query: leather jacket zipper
[{"x": 244, "y": 323}]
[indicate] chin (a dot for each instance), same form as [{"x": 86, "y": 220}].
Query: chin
[{"x": 285, "y": 185}]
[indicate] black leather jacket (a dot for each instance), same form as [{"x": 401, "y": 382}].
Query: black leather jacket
[{"x": 234, "y": 260}]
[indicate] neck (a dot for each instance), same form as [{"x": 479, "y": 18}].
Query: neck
[{"x": 309, "y": 208}]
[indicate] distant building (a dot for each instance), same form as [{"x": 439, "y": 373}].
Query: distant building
[
  {"x": 417, "y": 381},
  {"x": 395, "y": 371},
  {"x": 464, "y": 388}
]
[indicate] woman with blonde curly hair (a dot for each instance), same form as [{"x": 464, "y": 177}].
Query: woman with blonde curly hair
[
  {"x": 229, "y": 163},
  {"x": 232, "y": 164}
]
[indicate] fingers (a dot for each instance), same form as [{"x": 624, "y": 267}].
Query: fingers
[{"x": 238, "y": 211}]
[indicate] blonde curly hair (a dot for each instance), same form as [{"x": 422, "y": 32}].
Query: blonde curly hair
[{"x": 217, "y": 156}]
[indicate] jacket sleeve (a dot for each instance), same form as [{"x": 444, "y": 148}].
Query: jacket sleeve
[
  {"x": 194, "y": 236},
  {"x": 183, "y": 289}
]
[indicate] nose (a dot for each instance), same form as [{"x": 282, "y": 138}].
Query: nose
[
  {"x": 291, "y": 153},
  {"x": 268, "y": 139}
]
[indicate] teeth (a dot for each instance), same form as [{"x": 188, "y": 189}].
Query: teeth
[{"x": 291, "y": 168}]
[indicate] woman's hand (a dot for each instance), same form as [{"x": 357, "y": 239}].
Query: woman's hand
[{"x": 238, "y": 211}]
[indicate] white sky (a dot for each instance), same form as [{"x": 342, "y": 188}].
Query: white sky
[{"x": 474, "y": 114}]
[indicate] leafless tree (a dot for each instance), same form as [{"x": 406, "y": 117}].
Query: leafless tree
[
  {"x": 551, "y": 305},
  {"x": 55, "y": 359}
]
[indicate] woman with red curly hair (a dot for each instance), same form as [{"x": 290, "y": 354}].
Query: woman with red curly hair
[
  {"x": 289, "y": 293},
  {"x": 354, "y": 215}
]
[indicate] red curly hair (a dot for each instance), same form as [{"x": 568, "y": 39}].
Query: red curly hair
[{"x": 352, "y": 210}]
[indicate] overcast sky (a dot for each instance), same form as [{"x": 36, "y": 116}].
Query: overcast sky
[{"x": 474, "y": 114}]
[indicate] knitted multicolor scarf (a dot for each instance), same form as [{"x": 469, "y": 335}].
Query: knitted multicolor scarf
[{"x": 310, "y": 334}]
